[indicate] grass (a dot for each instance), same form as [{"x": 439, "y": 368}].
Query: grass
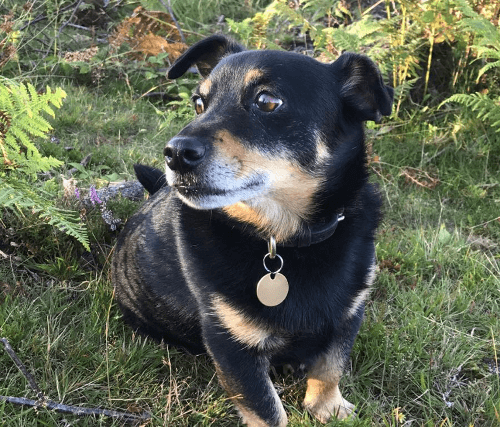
[{"x": 427, "y": 352}]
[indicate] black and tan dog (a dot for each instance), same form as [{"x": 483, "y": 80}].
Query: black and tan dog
[{"x": 275, "y": 154}]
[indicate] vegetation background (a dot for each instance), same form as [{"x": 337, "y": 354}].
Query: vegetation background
[{"x": 83, "y": 96}]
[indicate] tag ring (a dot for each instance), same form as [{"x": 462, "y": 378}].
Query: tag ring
[
  {"x": 271, "y": 246},
  {"x": 267, "y": 269}
]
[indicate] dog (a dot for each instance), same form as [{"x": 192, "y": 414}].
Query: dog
[{"x": 257, "y": 243}]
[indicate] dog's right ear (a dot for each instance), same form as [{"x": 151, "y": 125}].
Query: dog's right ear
[
  {"x": 205, "y": 54},
  {"x": 362, "y": 88}
]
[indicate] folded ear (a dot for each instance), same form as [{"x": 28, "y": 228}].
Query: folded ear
[
  {"x": 362, "y": 87},
  {"x": 205, "y": 54}
]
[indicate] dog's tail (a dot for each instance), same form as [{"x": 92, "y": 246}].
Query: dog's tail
[{"x": 152, "y": 179}]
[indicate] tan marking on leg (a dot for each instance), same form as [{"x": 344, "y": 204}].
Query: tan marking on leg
[
  {"x": 362, "y": 295},
  {"x": 249, "y": 417},
  {"x": 357, "y": 301},
  {"x": 253, "y": 420},
  {"x": 252, "y": 76},
  {"x": 243, "y": 329},
  {"x": 289, "y": 200},
  {"x": 323, "y": 398},
  {"x": 205, "y": 86}
]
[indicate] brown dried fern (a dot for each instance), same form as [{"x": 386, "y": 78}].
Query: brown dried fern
[{"x": 149, "y": 33}]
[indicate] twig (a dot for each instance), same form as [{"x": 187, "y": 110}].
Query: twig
[
  {"x": 430, "y": 159},
  {"x": 373, "y": 7},
  {"x": 171, "y": 12},
  {"x": 37, "y": 19},
  {"x": 43, "y": 402},
  {"x": 154, "y": 95},
  {"x": 11, "y": 257},
  {"x": 38, "y": 39},
  {"x": 79, "y": 27},
  {"x": 75, "y": 410},
  {"x": 34, "y": 386},
  {"x": 70, "y": 18},
  {"x": 42, "y": 17},
  {"x": 41, "y": 51},
  {"x": 431, "y": 182}
]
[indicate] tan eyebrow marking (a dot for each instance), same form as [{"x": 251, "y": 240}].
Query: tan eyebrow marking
[
  {"x": 205, "y": 87},
  {"x": 252, "y": 75}
]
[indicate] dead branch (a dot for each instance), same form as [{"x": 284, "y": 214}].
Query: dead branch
[
  {"x": 34, "y": 21},
  {"x": 43, "y": 17},
  {"x": 420, "y": 178},
  {"x": 70, "y": 18},
  {"x": 43, "y": 402},
  {"x": 34, "y": 386},
  {"x": 171, "y": 12},
  {"x": 75, "y": 410},
  {"x": 79, "y": 27},
  {"x": 439, "y": 153}
]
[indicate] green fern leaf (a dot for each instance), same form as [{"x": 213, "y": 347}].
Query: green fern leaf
[
  {"x": 346, "y": 40},
  {"x": 21, "y": 195},
  {"x": 487, "y": 68},
  {"x": 485, "y": 107},
  {"x": 22, "y": 111}
]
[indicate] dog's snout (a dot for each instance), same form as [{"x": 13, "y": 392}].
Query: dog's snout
[{"x": 183, "y": 153}]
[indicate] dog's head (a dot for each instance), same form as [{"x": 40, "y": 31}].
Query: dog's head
[{"x": 273, "y": 131}]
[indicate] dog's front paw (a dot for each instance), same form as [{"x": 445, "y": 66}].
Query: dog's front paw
[
  {"x": 323, "y": 412},
  {"x": 250, "y": 419},
  {"x": 324, "y": 402}
]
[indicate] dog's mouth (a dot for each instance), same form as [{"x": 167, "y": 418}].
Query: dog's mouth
[
  {"x": 199, "y": 191},
  {"x": 203, "y": 196}
]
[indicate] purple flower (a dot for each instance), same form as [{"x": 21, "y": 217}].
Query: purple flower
[
  {"x": 77, "y": 193},
  {"x": 94, "y": 198}
]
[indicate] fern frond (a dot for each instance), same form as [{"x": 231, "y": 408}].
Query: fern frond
[
  {"x": 292, "y": 16},
  {"x": 22, "y": 111},
  {"x": 481, "y": 27},
  {"x": 26, "y": 107},
  {"x": 35, "y": 126},
  {"x": 365, "y": 29},
  {"x": 487, "y": 52},
  {"x": 351, "y": 38},
  {"x": 20, "y": 195},
  {"x": 347, "y": 40},
  {"x": 485, "y": 107},
  {"x": 486, "y": 34}
]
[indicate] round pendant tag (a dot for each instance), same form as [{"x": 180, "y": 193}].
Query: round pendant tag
[{"x": 272, "y": 292}]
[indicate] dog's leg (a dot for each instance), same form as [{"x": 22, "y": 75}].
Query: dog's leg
[
  {"x": 244, "y": 374},
  {"x": 323, "y": 398}
]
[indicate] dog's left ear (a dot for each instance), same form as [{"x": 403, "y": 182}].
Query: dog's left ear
[
  {"x": 362, "y": 87},
  {"x": 205, "y": 54}
]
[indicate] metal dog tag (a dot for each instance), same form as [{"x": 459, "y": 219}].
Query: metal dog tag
[{"x": 272, "y": 292}]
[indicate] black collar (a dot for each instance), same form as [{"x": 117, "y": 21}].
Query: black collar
[{"x": 314, "y": 233}]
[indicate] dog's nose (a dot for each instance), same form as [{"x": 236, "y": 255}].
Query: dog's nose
[{"x": 183, "y": 154}]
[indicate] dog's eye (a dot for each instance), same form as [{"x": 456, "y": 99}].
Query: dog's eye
[
  {"x": 199, "y": 105},
  {"x": 267, "y": 103}
]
